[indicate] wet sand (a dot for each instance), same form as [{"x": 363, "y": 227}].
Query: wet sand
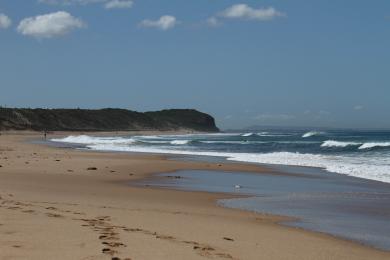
[
  {"x": 58, "y": 203},
  {"x": 336, "y": 204}
]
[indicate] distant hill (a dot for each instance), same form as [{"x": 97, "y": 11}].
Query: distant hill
[{"x": 108, "y": 119}]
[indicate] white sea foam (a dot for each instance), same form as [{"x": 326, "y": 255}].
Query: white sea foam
[
  {"x": 363, "y": 166},
  {"x": 374, "y": 145},
  {"x": 153, "y": 142},
  {"x": 332, "y": 143},
  {"x": 257, "y": 142},
  {"x": 248, "y": 134},
  {"x": 149, "y": 136},
  {"x": 85, "y": 139},
  {"x": 232, "y": 142},
  {"x": 362, "y": 146},
  {"x": 312, "y": 133},
  {"x": 180, "y": 142}
]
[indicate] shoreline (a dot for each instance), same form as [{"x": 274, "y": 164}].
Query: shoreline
[
  {"x": 151, "y": 203},
  {"x": 255, "y": 198}
]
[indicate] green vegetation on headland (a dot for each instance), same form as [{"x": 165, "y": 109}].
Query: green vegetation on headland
[{"x": 107, "y": 119}]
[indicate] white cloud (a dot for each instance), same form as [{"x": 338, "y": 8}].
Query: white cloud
[
  {"x": 49, "y": 25},
  {"x": 71, "y": 2},
  {"x": 243, "y": 11},
  {"x": 108, "y": 4},
  {"x": 5, "y": 21},
  {"x": 165, "y": 22},
  {"x": 358, "y": 107},
  {"x": 118, "y": 4},
  {"x": 213, "y": 22}
]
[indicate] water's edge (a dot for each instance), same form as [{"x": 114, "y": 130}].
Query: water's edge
[
  {"x": 362, "y": 187},
  {"x": 335, "y": 205}
]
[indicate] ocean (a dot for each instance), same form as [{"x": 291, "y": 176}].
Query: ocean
[{"x": 362, "y": 154}]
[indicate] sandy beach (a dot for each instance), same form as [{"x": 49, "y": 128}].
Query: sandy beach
[{"x": 58, "y": 203}]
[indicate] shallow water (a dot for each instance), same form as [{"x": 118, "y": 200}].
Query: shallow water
[{"x": 343, "y": 206}]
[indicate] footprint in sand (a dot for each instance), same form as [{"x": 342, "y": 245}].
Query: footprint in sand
[
  {"x": 108, "y": 251},
  {"x": 228, "y": 239},
  {"x": 28, "y": 211},
  {"x": 14, "y": 208},
  {"x": 53, "y": 215}
]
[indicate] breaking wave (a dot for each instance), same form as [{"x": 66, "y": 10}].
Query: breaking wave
[
  {"x": 332, "y": 143},
  {"x": 85, "y": 139},
  {"x": 374, "y": 145},
  {"x": 248, "y": 134},
  {"x": 312, "y": 133},
  {"x": 361, "y": 146},
  {"x": 180, "y": 142}
]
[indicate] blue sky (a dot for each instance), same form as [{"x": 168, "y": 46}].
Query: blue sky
[{"x": 299, "y": 63}]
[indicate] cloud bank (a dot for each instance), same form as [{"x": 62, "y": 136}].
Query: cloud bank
[
  {"x": 118, "y": 4},
  {"x": 5, "y": 21},
  {"x": 49, "y": 25},
  {"x": 108, "y": 4},
  {"x": 165, "y": 22},
  {"x": 71, "y": 2},
  {"x": 245, "y": 12}
]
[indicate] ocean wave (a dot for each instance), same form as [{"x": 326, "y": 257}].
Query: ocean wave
[
  {"x": 312, "y": 133},
  {"x": 85, "y": 139},
  {"x": 332, "y": 143},
  {"x": 153, "y": 142},
  {"x": 264, "y": 134},
  {"x": 246, "y": 142},
  {"x": 230, "y": 142},
  {"x": 147, "y": 137},
  {"x": 180, "y": 142},
  {"x": 374, "y": 145},
  {"x": 248, "y": 134},
  {"x": 362, "y": 146}
]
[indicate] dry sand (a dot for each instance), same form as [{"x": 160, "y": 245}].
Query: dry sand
[{"x": 53, "y": 207}]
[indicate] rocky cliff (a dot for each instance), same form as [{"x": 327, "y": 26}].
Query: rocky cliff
[{"x": 104, "y": 120}]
